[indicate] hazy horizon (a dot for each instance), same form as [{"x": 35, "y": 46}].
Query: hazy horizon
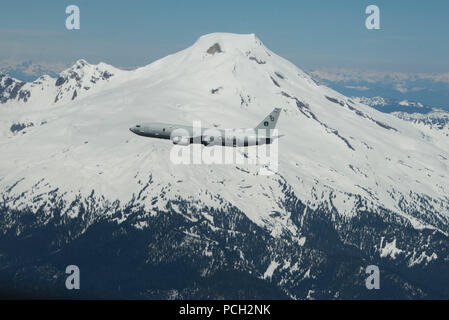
[{"x": 312, "y": 35}]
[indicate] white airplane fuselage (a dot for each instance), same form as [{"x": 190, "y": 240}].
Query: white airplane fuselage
[{"x": 185, "y": 135}]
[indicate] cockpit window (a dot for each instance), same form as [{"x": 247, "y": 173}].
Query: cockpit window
[{"x": 138, "y": 126}]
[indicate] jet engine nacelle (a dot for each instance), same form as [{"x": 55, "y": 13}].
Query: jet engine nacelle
[
  {"x": 246, "y": 140},
  {"x": 251, "y": 141},
  {"x": 182, "y": 141},
  {"x": 208, "y": 140}
]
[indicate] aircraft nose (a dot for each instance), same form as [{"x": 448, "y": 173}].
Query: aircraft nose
[{"x": 132, "y": 130}]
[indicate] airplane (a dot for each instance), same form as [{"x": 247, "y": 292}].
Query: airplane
[{"x": 186, "y": 135}]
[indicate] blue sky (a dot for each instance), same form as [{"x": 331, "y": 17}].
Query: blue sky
[{"x": 414, "y": 35}]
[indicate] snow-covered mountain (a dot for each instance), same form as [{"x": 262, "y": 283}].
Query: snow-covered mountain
[
  {"x": 407, "y": 103},
  {"x": 373, "y": 101},
  {"x": 425, "y": 117},
  {"x": 391, "y": 105},
  {"x": 437, "y": 119},
  {"x": 30, "y": 70},
  {"x": 75, "y": 81},
  {"x": 355, "y": 186}
]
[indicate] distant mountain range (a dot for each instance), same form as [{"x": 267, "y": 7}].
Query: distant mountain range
[
  {"x": 430, "y": 89},
  {"x": 29, "y": 70},
  {"x": 389, "y": 105},
  {"x": 413, "y": 111}
]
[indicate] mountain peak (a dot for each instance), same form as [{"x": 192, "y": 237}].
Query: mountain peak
[
  {"x": 80, "y": 63},
  {"x": 228, "y": 36},
  {"x": 83, "y": 64},
  {"x": 227, "y": 42},
  {"x": 81, "y": 67}
]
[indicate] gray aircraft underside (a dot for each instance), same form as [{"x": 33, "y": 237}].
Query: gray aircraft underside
[{"x": 185, "y": 135}]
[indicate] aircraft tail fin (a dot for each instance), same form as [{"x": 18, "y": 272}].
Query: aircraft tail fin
[{"x": 270, "y": 121}]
